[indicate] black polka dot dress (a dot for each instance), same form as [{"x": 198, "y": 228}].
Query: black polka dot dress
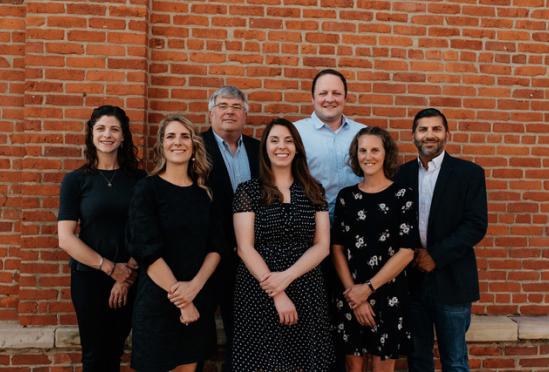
[{"x": 283, "y": 232}]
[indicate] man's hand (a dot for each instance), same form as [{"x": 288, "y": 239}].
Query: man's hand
[{"x": 423, "y": 261}]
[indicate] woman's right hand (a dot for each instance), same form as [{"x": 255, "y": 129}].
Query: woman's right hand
[
  {"x": 287, "y": 313},
  {"x": 189, "y": 314}
]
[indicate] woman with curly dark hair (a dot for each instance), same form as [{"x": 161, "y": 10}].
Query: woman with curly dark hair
[
  {"x": 174, "y": 235},
  {"x": 283, "y": 233},
  {"x": 94, "y": 199},
  {"x": 373, "y": 237}
]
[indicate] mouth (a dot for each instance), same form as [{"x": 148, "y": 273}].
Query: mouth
[{"x": 282, "y": 155}]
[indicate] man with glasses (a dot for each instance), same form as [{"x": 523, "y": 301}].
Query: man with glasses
[{"x": 234, "y": 157}]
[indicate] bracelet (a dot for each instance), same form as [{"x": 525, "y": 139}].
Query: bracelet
[
  {"x": 99, "y": 267},
  {"x": 371, "y": 286},
  {"x": 112, "y": 270}
]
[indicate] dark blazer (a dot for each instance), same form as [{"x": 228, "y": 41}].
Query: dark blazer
[
  {"x": 458, "y": 220},
  {"x": 220, "y": 182}
]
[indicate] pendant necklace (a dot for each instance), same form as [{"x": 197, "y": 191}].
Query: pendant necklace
[{"x": 109, "y": 181}]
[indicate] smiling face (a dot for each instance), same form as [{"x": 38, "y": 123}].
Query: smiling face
[
  {"x": 228, "y": 116},
  {"x": 177, "y": 143},
  {"x": 329, "y": 99},
  {"x": 280, "y": 147},
  {"x": 371, "y": 155},
  {"x": 430, "y": 137},
  {"x": 107, "y": 135}
]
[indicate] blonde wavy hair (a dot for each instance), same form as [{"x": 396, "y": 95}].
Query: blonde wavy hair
[{"x": 199, "y": 166}]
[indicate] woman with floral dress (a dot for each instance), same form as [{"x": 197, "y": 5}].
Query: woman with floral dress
[{"x": 373, "y": 237}]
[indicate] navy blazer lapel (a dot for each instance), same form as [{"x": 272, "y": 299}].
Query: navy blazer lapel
[{"x": 444, "y": 177}]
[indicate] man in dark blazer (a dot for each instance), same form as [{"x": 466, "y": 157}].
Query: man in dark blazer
[
  {"x": 452, "y": 208},
  {"x": 234, "y": 157}
]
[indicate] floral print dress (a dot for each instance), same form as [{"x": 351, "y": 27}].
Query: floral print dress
[{"x": 372, "y": 227}]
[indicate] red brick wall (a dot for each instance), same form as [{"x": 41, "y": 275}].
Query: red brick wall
[{"x": 483, "y": 62}]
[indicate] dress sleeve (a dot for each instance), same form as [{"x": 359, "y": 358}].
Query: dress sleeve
[
  {"x": 408, "y": 221},
  {"x": 69, "y": 198},
  {"x": 338, "y": 226},
  {"x": 143, "y": 231},
  {"x": 244, "y": 200}
]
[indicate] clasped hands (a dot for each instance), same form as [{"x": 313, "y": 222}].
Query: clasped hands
[
  {"x": 124, "y": 275},
  {"x": 182, "y": 295},
  {"x": 274, "y": 284},
  {"x": 357, "y": 298}
]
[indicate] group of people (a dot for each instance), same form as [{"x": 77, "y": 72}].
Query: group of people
[{"x": 321, "y": 252}]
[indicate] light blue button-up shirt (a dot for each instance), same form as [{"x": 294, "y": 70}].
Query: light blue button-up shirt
[
  {"x": 237, "y": 164},
  {"x": 328, "y": 154}
]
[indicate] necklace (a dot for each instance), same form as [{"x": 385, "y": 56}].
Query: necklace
[{"x": 109, "y": 181}]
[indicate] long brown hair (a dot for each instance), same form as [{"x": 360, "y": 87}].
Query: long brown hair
[
  {"x": 199, "y": 166},
  {"x": 300, "y": 170},
  {"x": 126, "y": 153}
]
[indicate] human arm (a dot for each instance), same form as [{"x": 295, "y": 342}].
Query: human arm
[
  {"x": 161, "y": 274},
  {"x": 81, "y": 252},
  {"x": 244, "y": 233},
  {"x": 181, "y": 293},
  {"x": 276, "y": 282},
  {"x": 394, "y": 266}
]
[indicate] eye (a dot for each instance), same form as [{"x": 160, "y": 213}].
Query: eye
[{"x": 222, "y": 106}]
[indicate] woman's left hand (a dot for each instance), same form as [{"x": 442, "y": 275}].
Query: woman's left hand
[
  {"x": 357, "y": 294},
  {"x": 183, "y": 293},
  {"x": 275, "y": 282},
  {"x": 119, "y": 295}
]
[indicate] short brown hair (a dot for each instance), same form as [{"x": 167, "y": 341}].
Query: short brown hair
[{"x": 390, "y": 164}]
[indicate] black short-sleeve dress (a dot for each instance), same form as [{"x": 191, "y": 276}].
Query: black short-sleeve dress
[
  {"x": 372, "y": 227},
  {"x": 283, "y": 232},
  {"x": 177, "y": 224}
]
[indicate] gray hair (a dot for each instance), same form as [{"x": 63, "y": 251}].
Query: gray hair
[{"x": 228, "y": 91}]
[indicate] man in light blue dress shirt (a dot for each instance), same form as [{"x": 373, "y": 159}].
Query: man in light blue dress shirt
[{"x": 327, "y": 135}]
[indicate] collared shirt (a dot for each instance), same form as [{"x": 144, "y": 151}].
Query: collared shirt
[
  {"x": 328, "y": 154},
  {"x": 237, "y": 164},
  {"x": 427, "y": 179}
]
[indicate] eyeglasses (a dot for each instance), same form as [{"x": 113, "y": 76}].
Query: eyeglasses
[{"x": 226, "y": 106}]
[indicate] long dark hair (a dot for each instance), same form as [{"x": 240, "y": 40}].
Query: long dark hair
[
  {"x": 300, "y": 170},
  {"x": 127, "y": 152}
]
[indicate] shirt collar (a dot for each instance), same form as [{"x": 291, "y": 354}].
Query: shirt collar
[
  {"x": 434, "y": 164},
  {"x": 221, "y": 141},
  {"x": 319, "y": 123}
]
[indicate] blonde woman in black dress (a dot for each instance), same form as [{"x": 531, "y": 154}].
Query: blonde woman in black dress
[
  {"x": 175, "y": 240},
  {"x": 374, "y": 233}
]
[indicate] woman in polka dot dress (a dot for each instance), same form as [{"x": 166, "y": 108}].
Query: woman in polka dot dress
[
  {"x": 282, "y": 230},
  {"x": 373, "y": 237}
]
